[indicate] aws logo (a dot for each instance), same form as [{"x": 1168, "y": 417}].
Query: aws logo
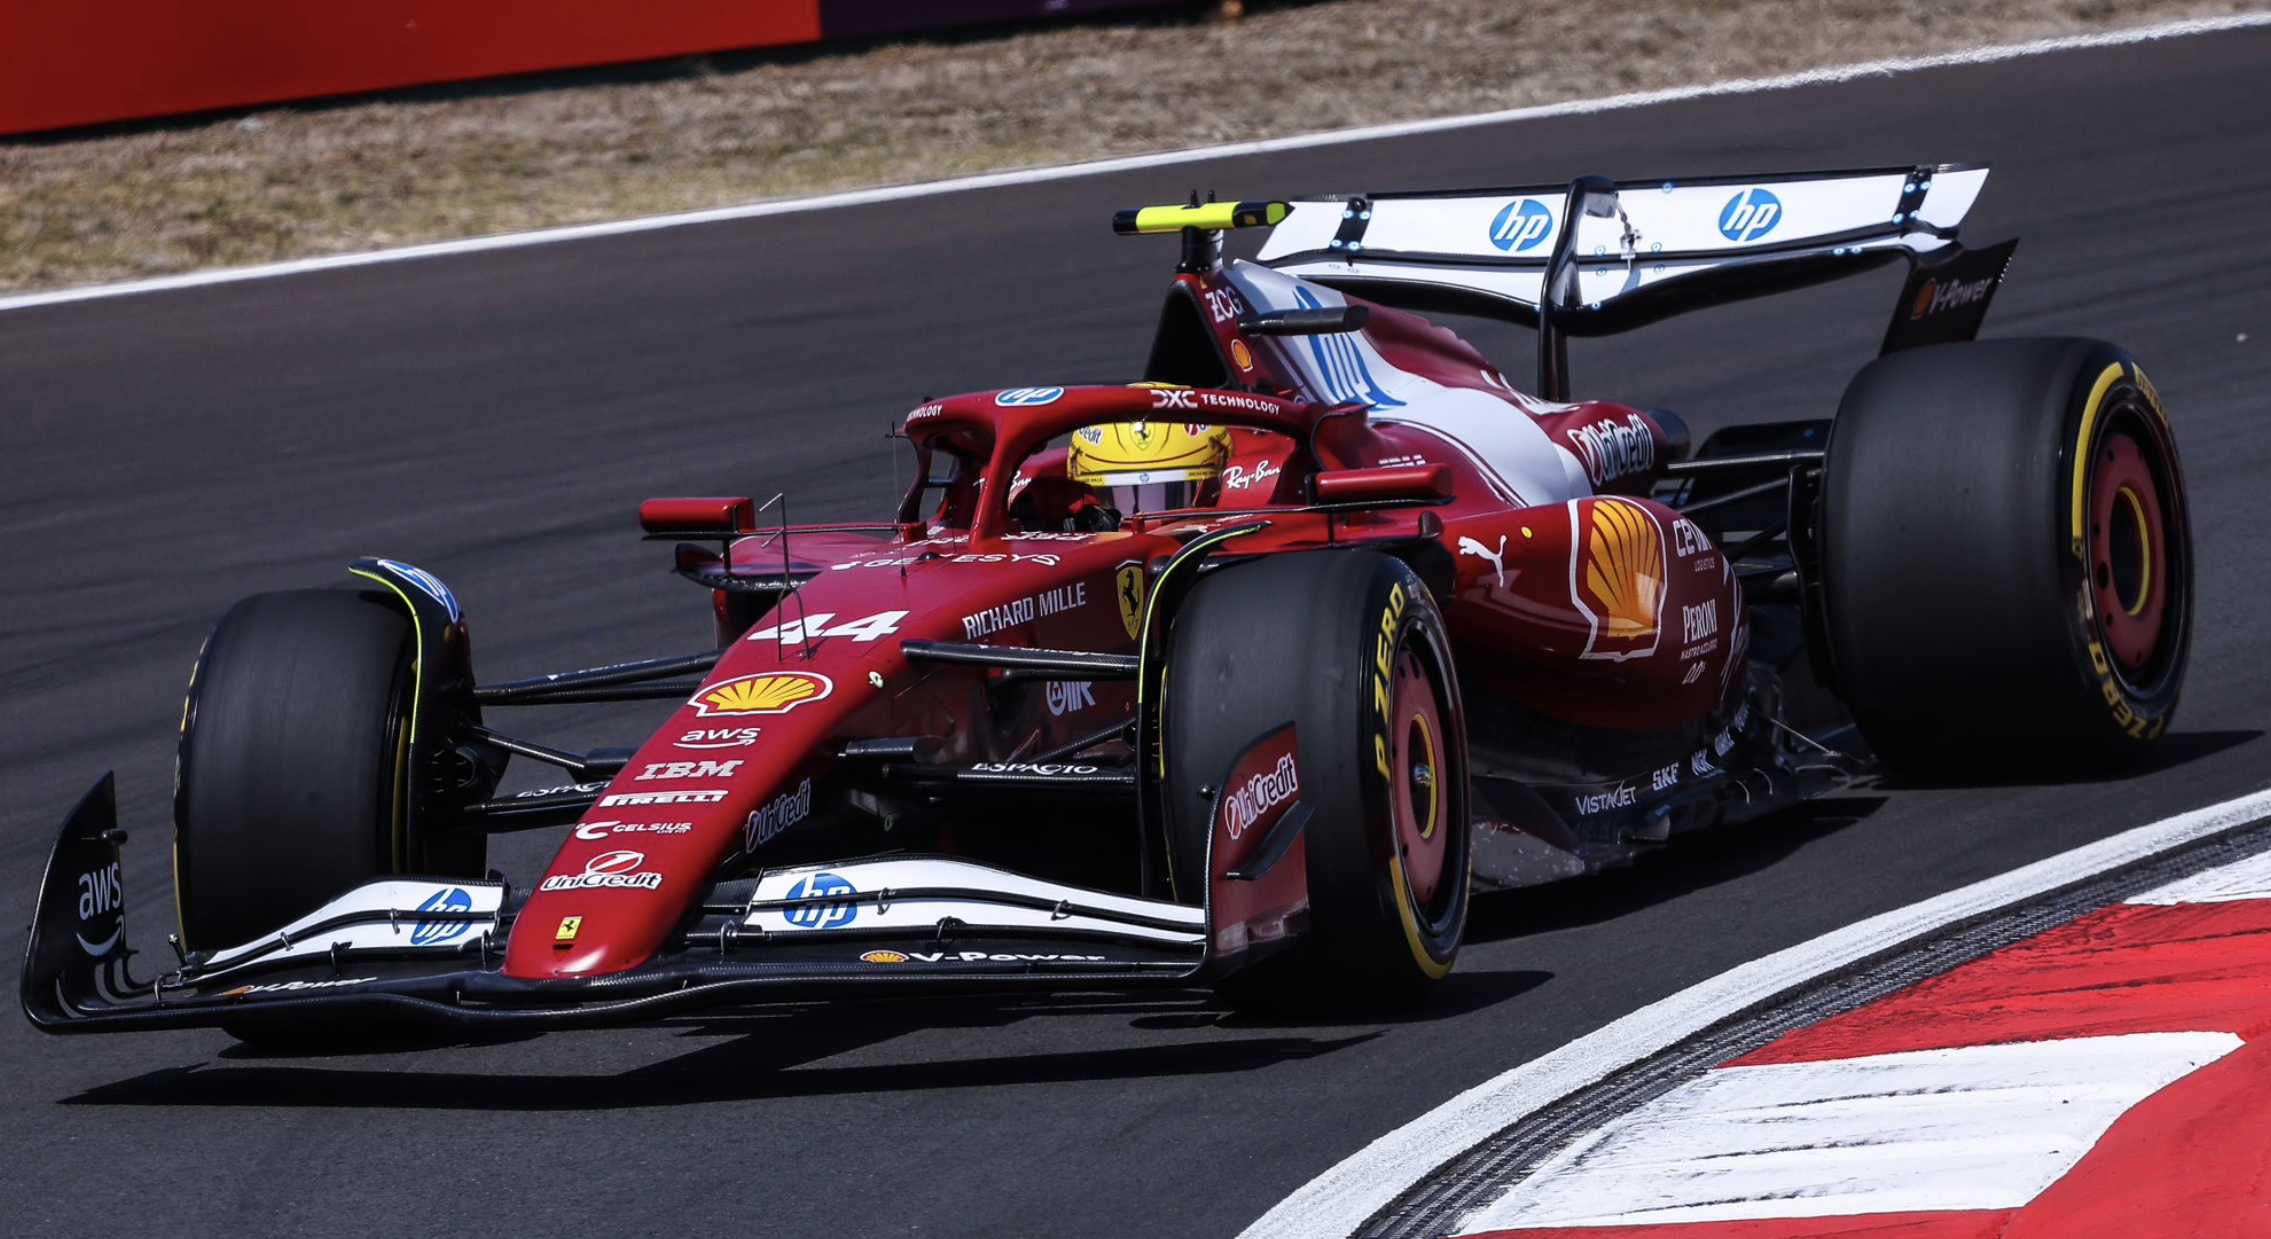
[
  {"x": 775, "y": 692},
  {"x": 1616, "y": 576}
]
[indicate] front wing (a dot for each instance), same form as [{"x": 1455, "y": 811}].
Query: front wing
[{"x": 429, "y": 951}]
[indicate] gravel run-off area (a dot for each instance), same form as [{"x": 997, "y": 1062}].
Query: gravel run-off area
[{"x": 443, "y": 162}]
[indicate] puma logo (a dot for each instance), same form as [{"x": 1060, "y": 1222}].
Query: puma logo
[{"x": 1468, "y": 546}]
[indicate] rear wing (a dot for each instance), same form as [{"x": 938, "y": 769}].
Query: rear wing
[{"x": 1598, "y": 256}]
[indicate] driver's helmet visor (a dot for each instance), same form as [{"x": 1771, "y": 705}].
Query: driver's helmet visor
[{"x": 1148, "y": 466}]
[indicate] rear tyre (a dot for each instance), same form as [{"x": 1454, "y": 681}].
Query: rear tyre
[
  {"x": 1350, "y": 649},
  {"x": 2006, "y": 558},
  {"x": 291, "y": 780}
]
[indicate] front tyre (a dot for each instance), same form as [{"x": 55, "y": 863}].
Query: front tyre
[
  {"x": 291, "y": 779},
  {"x": 1350, "y": 649},
  {"x": 2006, "y": 558}
]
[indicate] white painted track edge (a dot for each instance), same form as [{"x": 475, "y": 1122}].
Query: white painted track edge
[
  {"x": 1345, "y": 1197},
  {"x": 1129, "y": 163}
]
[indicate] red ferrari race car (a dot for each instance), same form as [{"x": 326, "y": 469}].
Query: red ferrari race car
[{"x": 1242, "y": 675}]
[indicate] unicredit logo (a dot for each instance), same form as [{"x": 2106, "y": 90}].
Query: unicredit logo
[
  {"x": 1244, "y": 804},
  {"x": 608, "y": 870}
]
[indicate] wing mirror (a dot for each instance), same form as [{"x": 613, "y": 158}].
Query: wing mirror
[
  {"x": 1392, "y": 484},
  {"x": 697, "y": 518}
]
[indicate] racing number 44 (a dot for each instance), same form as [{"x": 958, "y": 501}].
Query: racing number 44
[{"x": 816, "y": 625}]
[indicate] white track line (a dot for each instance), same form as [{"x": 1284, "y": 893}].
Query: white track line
[
  {"x": 1337, "y": 1202},
  {"x": 1130, "y": 163}
]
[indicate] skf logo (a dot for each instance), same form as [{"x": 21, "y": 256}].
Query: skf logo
[
  {"x": 689, "y": 770},
  {"x": 1129, "y": 590},
  {"x": 772, "y": 693},
  {"x": 1521, "y": 225},
  {"x": 1618, "y": 579},
  {"x": 1750, "y": 215}
]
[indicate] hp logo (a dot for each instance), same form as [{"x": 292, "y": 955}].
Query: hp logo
[
  {"x": 452, "y": 900},
  {"x": 1022, "y": 397},
  {"x": 824, "y": 902},
  {"x": 1520, "y": 225},
  {"x": 1750, "y": 215}
]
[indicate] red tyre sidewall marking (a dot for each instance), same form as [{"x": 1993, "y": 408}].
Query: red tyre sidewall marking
[
  {"x": 1421, "y": 832},
  {"x": 2123, "y": 492}
]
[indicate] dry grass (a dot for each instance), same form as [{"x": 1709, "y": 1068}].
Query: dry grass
[{"x": 291, "y": 182}]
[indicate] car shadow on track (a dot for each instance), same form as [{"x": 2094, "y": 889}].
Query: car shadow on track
[
  {"x": 1459, "y": 994},
  {"x": 2176, "y": 749},
  {"x": 1692, "y": 863},
  {"x": 758, "y": 1056}
]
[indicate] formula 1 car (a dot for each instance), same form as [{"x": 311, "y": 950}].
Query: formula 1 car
[{"x": 1243, "y": 675}]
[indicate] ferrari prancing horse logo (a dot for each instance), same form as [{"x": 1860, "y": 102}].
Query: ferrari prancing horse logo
[{"x": 1130, "y": 593}]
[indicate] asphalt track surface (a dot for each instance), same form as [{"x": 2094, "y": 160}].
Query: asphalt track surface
[{"x": 495, "y": 418}]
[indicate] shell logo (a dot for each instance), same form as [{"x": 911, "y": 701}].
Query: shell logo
[
  {"x": 1619, "y": 585},
  {"x": 883, "y": 957},
  {"x": 1924, "y": 297},
  {"x": 775, "y": 692}
]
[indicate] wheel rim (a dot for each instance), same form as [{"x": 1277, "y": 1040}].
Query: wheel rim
[
  {"x": 2130, "y": 568},
  {"x": 1418, "y": 802}
]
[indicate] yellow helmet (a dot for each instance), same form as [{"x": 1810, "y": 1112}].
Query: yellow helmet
[
  {"x": 1140, "y": 453},
  {"x": 1148, "y": 466}
]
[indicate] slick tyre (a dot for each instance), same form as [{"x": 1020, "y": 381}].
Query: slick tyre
[
  {"x": 1349, "y": 649},
  {"x": 290, "y": 781},
  {"x": 2006, "y": 558}
]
